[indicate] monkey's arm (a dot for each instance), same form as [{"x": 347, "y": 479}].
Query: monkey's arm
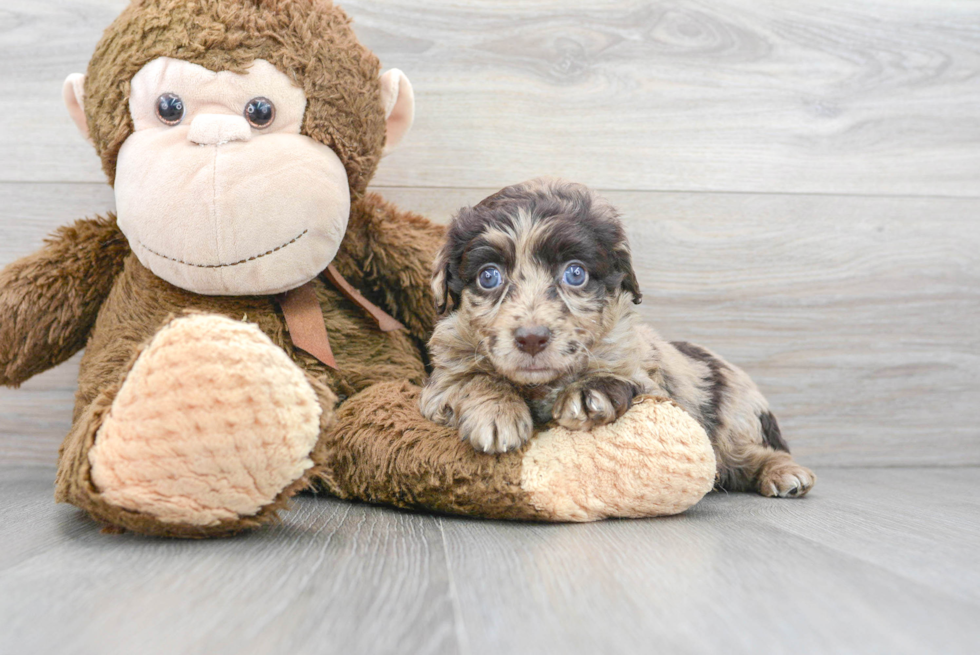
[
  {"x": 390, "y": 253},
  {"x": 49, "y": 300}
]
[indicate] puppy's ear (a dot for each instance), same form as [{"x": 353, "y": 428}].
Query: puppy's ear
[
  {"x": 440, "y": 281},
  {"x": 629, "y": 283}
]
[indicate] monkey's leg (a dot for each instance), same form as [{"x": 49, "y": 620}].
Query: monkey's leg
[
  {"x": 209, "y": 432},
  {"x": 655, "y": 460}
]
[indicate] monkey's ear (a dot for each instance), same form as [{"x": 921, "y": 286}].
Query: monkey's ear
[
  {"x": 73, "y": 93},
  {"x": 440, "y": 282},
  {"x": 398, "y": 101}
]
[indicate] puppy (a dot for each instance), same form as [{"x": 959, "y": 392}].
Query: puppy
[{"x": 537, "y": 292}]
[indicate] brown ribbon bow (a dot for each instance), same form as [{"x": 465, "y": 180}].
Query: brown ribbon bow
[{"x": 304, "y": 318}]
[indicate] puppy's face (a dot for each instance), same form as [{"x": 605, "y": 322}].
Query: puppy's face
[{"x": 536, "y": 275}]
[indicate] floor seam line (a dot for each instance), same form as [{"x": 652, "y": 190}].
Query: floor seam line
[
  {"x": 679, "y": 191},
  {"x": 894, "y": 467},
  {"x": 716, "y": 192},
  {"x": 462, "y": 641}
]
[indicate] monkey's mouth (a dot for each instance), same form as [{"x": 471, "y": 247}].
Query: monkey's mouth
[{"x": 229, "y": 264}]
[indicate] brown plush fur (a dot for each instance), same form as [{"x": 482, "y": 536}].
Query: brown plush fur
[
  {"x": 140, "y": 303},
  {"x": 49, "y": 300},
  {"x": 86, "y": 288},
  {"x": 309, "y": 41},
  {"x": 382, "y": 452},
  {"x": 387, "y": 252}
]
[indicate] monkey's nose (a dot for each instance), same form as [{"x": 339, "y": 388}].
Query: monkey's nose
[
  {"x": 532, "y": 340},
  {"x": 215, "y": 129}
]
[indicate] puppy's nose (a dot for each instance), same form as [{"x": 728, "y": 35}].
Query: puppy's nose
[{"x": 532, "y": 340}]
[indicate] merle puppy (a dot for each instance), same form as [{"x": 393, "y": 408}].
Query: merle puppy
[{"x": 537, "y": 290}]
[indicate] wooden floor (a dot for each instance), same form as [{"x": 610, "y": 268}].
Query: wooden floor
[
  {"x": 801, "y": 185},
  {"x": 875, "y": 561}
]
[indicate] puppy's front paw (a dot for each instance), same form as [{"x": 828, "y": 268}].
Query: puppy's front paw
[
  {"x": 496, "y": 427},
  {"x": 593, "y": 401},
  {"x": 433, "y": 406}
]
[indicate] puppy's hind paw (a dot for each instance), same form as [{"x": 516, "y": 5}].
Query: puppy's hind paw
[
  {"x": 787, "y": 481},
  {"x": 593, "y": 401},
  {"x": 497, "y": 427}
]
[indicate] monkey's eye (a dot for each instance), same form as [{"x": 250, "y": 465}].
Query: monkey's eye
[
  {"x": 170, "y": 109},
  {"x": 575, "y": 275},
  {"x": 260, "y": 112},
  {"x": 489, "y": 277}
]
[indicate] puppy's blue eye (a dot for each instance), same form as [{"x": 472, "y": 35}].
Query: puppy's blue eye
[
  {"x": 575, "y": 275},
  {"x": 490, "y": 277}
]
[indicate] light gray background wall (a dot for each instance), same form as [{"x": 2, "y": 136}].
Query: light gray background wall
[{"x": 801, "y": 182}]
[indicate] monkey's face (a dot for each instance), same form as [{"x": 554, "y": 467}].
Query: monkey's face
[
  {"x": 235, "y": 165},
  {"x": 217, "y": 190}
]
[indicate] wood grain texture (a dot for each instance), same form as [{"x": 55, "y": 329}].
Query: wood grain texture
[
  {"x": 856, "y": 315},
  {"x": 855, "y": 308},
  {"x": 872, "y": 561},
  {"x": 334, "y": 578},
  {"x": 731, "y": 577},
  {"x": 41, "y": 43},
  {"x": 35, "y": 418},
  {"x": 828, "y": 96}
]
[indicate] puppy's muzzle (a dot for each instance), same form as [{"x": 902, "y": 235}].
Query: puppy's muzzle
[{"x": 532, "y": 340}]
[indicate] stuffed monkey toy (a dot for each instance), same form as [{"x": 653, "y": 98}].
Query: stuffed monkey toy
[{"x": 253, "y": 319}]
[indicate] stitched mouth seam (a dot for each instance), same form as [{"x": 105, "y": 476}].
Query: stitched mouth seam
[{"x": 241, "y": 261}]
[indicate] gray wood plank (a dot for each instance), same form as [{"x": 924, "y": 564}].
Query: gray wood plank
[
  {"x": 31, "y": 211},
  {"x": 863, "y": 513},
  {"x": 41, "y": 43},
  {"x": 856, "y": 315},
  {"x": 35, "y": 418},
  {"x": 873, "y": 561},
  {"x": 729, "y": 577},
  {"x": 334, "y": 578},
  {"x": 828, "y": 96}
]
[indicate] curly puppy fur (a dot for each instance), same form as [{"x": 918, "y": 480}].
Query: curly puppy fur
[{"x": 537, "y": 290}]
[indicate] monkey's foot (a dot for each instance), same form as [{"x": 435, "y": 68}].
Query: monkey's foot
[{"x": 213, "y": 424}]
